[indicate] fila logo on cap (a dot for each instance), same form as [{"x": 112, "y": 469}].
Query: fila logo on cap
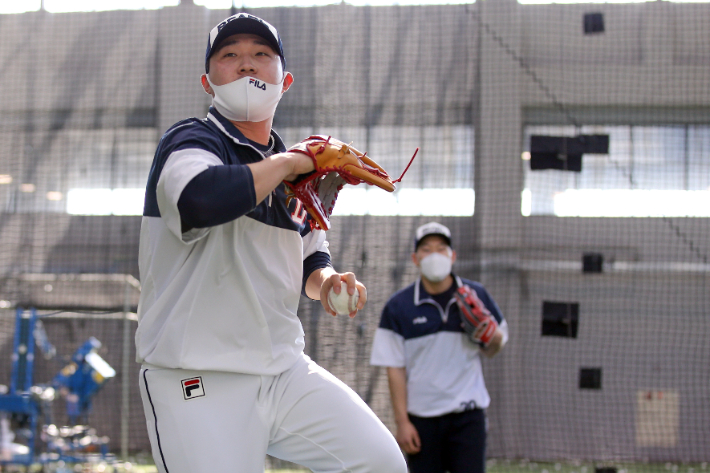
[{"x": 192, "y": 388}]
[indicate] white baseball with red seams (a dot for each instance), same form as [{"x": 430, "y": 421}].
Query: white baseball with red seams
[{"x": 343, "y": 303}]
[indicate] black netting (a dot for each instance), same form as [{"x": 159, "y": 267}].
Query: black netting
[{"x": 597, "y": 256}]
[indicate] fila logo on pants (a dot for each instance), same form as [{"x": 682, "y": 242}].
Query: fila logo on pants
[{"x": 192, "y": 388}]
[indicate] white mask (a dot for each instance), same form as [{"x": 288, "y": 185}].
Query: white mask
[
  {"x": 435, "y": 267},
  {"x": 247, "y": 99}
]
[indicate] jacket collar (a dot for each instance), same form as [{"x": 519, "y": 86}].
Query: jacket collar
[
  {"x": 420, "y": 294},
  {"x": 423, "y": 297},
  {"x": 228, "y": 128}
]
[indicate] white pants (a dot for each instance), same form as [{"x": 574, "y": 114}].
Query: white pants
[{"x": 217, "y": 422}]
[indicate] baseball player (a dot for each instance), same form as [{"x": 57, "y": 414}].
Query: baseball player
[
  {"x": 433, "y": 359},
  {"x": 223, "y": 261}
]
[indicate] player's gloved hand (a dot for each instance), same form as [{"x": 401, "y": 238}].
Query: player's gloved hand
[
  {"x": 336, "y": 164},
  {"x": 476, "y": 319}
]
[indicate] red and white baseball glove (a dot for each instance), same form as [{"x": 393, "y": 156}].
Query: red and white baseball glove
[
  {"x": 477, "y": 320},
  {"x": 336, "y": 164}
]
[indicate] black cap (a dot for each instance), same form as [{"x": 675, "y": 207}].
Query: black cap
[{"x": 248, "y": 24}]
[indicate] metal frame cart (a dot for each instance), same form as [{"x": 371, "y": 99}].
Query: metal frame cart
[{"x": 29, "y": 405}]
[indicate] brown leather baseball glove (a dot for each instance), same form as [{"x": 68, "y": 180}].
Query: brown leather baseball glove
[
  {"x": 476, "y": 319},
  {"x": 336, "y": 164}
]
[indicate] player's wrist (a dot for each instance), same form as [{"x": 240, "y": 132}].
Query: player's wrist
[
  {"x": 285, "y": 165},
  {"x": 402, "y": 420}
]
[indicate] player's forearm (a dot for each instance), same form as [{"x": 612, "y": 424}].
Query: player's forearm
[
  {"x": 397, "y": 378},
  {"x": 210, "y": 199},
  {"x": 494, "y": 346},
  {"x": 315, "y": 281},
  {"x": 270, "y": 172}
]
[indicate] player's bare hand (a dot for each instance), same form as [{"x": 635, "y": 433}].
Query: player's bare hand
[
  {"x": 299, "y": 164},
  {"x": 333, "y": 282},
  {"x": 408, "y": 438}
]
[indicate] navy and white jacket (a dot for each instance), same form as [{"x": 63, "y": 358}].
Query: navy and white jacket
[
  {"x": 443, "y": 366},
  {"x": 221, "y": 275}
]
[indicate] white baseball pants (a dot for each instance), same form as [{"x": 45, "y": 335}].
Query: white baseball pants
[{"x": 218, "y": 422}]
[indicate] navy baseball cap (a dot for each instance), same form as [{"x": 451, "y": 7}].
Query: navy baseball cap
[
  {"x": 431, "y": 228},
  {"x": 247, "y": 24}
]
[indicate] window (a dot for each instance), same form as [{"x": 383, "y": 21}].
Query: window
[
  {"x": 650, "y": 171},
  {"x": 76, "y": 170},
  {"x": 104, "y": 172},
  {"x": 439, "y": 181}
]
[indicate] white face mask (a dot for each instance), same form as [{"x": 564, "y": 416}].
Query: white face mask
[
  {"x": 435, "y": 267},
  {"x": 247, "y": 99}
]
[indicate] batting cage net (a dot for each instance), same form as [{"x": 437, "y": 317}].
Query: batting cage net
[{"x": 567, "y": 147}]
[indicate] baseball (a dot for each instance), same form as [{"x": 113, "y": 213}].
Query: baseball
[{"x": 343, "y": 303}]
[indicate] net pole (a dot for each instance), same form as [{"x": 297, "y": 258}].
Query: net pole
[{"x": 125, "y": 395}]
